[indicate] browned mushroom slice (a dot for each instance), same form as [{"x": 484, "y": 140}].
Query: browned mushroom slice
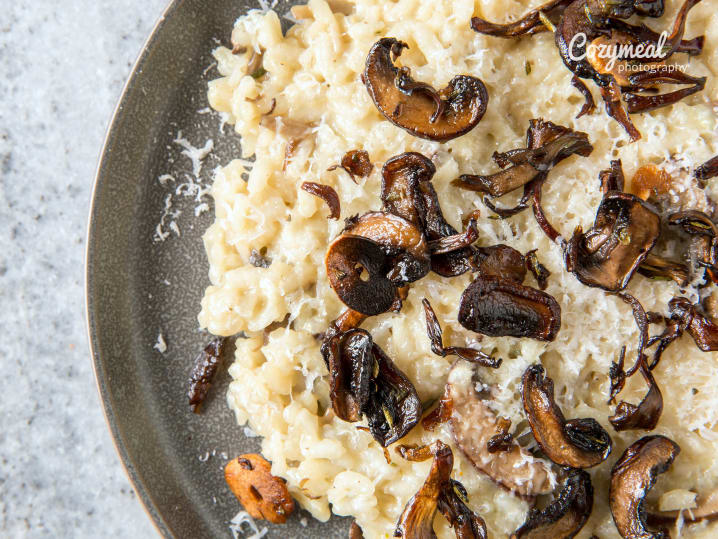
[
  {"x": 417, "y": 519},
  {"x": 400, "y": 193},
  {"x": 501, "y": 261},
  {"x": 565, "y": 517},
  {"x": 355, "y": 531},
  {"x": 655, "y": 267},
  {"x": 703, "y": 329},
  {"x": 624, "y": 232},
  {"x": 403, "y": 242},
  {"x": 705, "y": 232},
  {"x": 537, "y": 269},
  {"x": 501, "y": 308},
  {"x": 632, "y": 477},
  {"x": 205, "y": 369},
  {"x": 433, "y": 329},
  {"x": 557, "y": 144},
  {"x": 393, "y": 407},
  {"x": 440, "y": 492},
  {"x": 327, "y": 194},
  {"x": 529, "y": 24},
  {"x": 503, "y": 439},
  {"x": 417, "y": 107},
  {"x": 357, "y": 269},
  {"x": 262, "y": 494},
  {"x": 579, "y": 443},
  {"x": 644, "y": 416},
  {"x": 707, "y": 170},
  {"x": 473, "y": 423},
  {"x": 350, "y": 361},
  {"x": 355, "y": 163}
]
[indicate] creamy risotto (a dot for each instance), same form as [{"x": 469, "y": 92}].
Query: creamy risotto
[{"x": 300, "y": 118}]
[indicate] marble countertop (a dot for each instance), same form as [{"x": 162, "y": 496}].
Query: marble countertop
[{"x": 62, "y": 68}]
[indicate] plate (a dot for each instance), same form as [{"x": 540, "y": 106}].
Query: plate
[{"x": 140, "y": 287}]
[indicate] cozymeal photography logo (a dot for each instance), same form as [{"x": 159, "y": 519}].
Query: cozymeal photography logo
[{"x": 623, "y": 56}]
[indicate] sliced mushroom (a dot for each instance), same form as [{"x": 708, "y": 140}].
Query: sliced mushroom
[
  {"x": 393, "y": 407},
  {"x": 537, "y": 269},
  {"x": 205, "y": 369},
  {"x": 440, "y": 492},
  {"x": 400, "y": 193},
  {"x": 365, "y": 381},
  {"x": 579, "y": 443},
  {"x": 350, "y": 361},
  {"x": 433, "y": 329},
  {"x": 355, "y": 163},
  {"x": 358, "y": 270},
  {"x": 417, "y": 107},
  {"x": 632, "y": 477},
  {"x": 498, "y": 307},
  {"x": 703, "y": 329},
  {"x": 473, "y": 424},
  {"x": 705, "y": 233},
  {"x": 644, "y": 416},
  {"x": 327, "y": 194},
  {"x": 400, "y": 239},
  {"x": 407, "y": 192},
  {"x": 501, "y": 261},
  {"x": 355, "y": 531},
  {"x": 547, "y": 145},
  {"x": 565, "y": 517},
  {"x": 707, "y": 170},
  {"x": 624, "y": 232},
  {"x": 263, "y": 495},
  {"x": 655, "y": 267}
]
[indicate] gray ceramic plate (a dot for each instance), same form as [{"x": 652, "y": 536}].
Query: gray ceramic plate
[{"x": 138, "y": 288}]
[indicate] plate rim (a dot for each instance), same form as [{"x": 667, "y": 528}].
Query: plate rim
[{"x": 101, "y": 380}]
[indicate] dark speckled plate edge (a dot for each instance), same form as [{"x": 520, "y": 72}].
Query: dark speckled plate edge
[{"x": 142, "y": 391}]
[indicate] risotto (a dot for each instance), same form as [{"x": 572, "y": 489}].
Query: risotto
[{"x": 298, "y": 111}]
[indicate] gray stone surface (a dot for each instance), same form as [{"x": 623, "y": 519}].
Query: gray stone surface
[{"x": 62, "y": 67}]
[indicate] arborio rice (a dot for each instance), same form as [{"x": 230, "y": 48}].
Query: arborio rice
[{"x": 319, "y": 106}]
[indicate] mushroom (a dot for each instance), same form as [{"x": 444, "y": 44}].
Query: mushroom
[
  {"x": 358, "y": 270},
  {"x": 393, "y": 407},
  {"x": 632, "y": 477},
  {"x": 263, "y": 495},
  {"x": 400, "y": 239},
  {"x": 407, "y": 192},
  {"x": 705, "y": 235},
  {"x": 327, "y": 194},
  {"x": 473, "y": 423},
  {"x": 498, "y": 307},
  {"x": 537, "y": 269},
  {"x": 365, "y": 381},
  {"x": 547, "y": 145},
  {"x": 578, "y": 443},
  {"x": 440, "y": 492},
  {"x": 501, "y": 261},
  {"x": 656, "y": 267},
  {"x": 644, "y": 416},
  {"x": 355, "y": 163},
  {"x": 417, "y": 107},
  {"x": 624, "y": 232},
  {"x": 433, "y": 329},
  {"x": 707, "y": 170},
  {"x": 376, "y": 254},
  {"x": 350, "y": 363},
  {"x": 702, "y": 328},
  {"x": 566, "y": 515},
  {"x": 205, "y": 369}
]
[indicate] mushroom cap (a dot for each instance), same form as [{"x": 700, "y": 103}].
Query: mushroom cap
[
  {"x": 416, "y": 107},
  {"x": 347, "y": 259},
  {"x": 473, "y": 424},
  {"x": 579, "y": 443},
  {"x": 498, "y": 307},
  {"x": 633, "y": 475},
  {"x": 625, "y": 231}
]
